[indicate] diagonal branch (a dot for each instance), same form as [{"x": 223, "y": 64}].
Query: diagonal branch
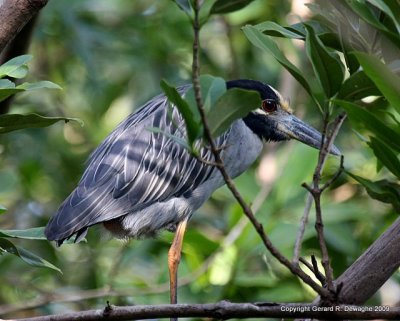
[{"x": 228, "y": 180}]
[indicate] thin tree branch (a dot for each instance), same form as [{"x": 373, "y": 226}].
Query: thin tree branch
[
  {"x": 227, "y": 310},
  {"x": 316, "y": 192},
  {"x": 326, "y": 146},
  {"x": 302, "y": 229},
  {"x": 228, "y": 180},
  {"x": 314, "y": 269}
]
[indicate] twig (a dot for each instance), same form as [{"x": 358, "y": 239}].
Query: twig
[
  {"x": 316, "y": 191},
  {"x": 326, "y": 146},
  {"x": 302, "y": 229},
  {"x": 227, "y": 310},
  {"x": 228, "y": 180},
  {"x": 314, "y": 269}
]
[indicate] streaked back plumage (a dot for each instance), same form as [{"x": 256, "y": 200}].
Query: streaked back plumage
[{"x": 131, "y": 169}]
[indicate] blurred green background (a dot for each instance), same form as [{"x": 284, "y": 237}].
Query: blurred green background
[{"x": 109, "y": 58}]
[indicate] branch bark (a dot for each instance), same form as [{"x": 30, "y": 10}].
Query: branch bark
[
  {"x": 14, "y": 14},
  {"x": 227, "y": 310},
  {"x": 373, "y": 268}
]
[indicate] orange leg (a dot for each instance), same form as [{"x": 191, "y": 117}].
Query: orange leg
[{"x": 174, "y": 257}]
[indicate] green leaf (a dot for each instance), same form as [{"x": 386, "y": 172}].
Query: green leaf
[
  {"x": 224, "y": 6},
  {"x": 11, "y": 122},
  {"x": 8, "y": 88},
  {"x": 326, "y": 64},
  {"x": 185, "y": 6},
  {"x": 367, "y": 13},
  {"x": 6, "y": 84},
  {"x": 28, "y": 257},
  {"x": 391, "y": 8},
  {"x": 7, "y": 92},
  {"x": 364, "y": 119},
  {"x": 273, "y": 29},
  {"x": 234, "y": 104},
  {"x": 212, "y": 88},
  {"x": 2, "y": 209},
  {"x": 263, "y": 42},
  {"x": 387, "y": 82},
  {"x": 385, "y": 155},
  {"x": 38, "y": 85},
  {"x": 358, "y": 86},
  {"x": 383, "y": 190},
  {"x": 16, "y": 67},
  {"x": 193, "y": 127},
  {"x": 36, "y": 233}
]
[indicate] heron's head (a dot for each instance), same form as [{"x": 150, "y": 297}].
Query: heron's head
[{"x": 274, "y": 120}]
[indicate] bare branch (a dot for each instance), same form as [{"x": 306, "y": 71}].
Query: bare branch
[
  {"x": 228, "y": 180},
  {"x": 326, "y": 146},
  {"x": 301, "y": 230},
  {"x": 227, "y": 310},
  {"x": 316, "y": 192},
  {"x": 314, "y": 269}
]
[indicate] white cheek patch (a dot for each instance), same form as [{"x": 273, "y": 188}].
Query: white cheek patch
[{"x": 260, "y": 112}]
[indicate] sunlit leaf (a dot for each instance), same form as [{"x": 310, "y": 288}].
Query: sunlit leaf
[
  {"x": 383, "y": 190},
  {"x": 16, "y": 67},
  {"x": 385, "y": 155},
  {"x": 38, "y": 85},
  {"x": 263, "y": 42},
  {"x": 273, "y": 29},
  {"x": 234, "y": 104},
  {"x": 11, "y": 122},
  {"x": 224, "y": 6},
  {"x": 387, "y": 82},
  {"x": 28, "y": 257},
  {"x": 326, "y": 64},
  {"x": 2, "y": 209},
  {"x": 36, "y": 233},
  {"x": 6, "y": 84},
  {"x": 8, "y": 88}
]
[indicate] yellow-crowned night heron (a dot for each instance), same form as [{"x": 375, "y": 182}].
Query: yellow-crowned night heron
[{"x": 138, "y": 182}]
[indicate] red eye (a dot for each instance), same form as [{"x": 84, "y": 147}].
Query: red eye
[{"x": 269, "y": 105}]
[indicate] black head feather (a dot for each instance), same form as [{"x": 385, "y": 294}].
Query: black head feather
[{"x": 261, "y": 125}]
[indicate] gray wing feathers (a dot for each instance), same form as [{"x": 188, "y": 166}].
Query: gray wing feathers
[{"x": 133, "y": 168}]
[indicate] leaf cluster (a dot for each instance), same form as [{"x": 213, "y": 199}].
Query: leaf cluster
[{"x": 349, "y": 69}]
